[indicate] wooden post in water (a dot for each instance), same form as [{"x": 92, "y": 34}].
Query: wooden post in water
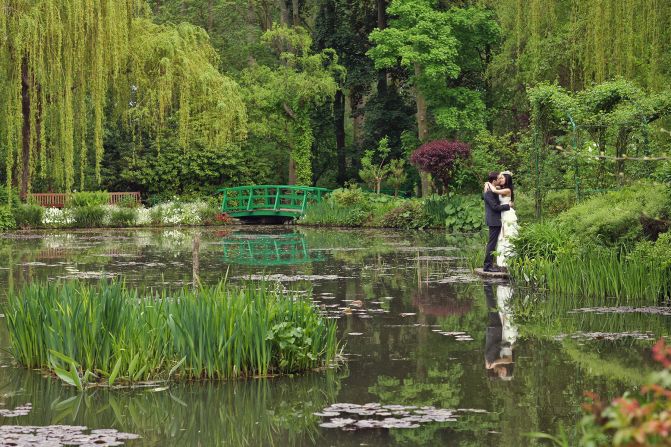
[{"x": 195, "y": 256}]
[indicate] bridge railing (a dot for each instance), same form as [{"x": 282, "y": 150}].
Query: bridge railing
[{"x": 276, "y": 198}]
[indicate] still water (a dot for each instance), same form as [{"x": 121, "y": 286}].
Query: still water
[{"x": 427, "y": 345}]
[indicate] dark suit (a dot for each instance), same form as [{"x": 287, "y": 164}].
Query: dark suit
[{"x": 493, "y": 211}]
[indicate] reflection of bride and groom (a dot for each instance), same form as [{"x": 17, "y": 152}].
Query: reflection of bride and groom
[
  {"x": 499, "y": 195},
  {"x": 501, "y": 333}
]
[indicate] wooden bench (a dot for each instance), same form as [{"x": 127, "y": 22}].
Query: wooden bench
[{"x": 57, "y": 200}]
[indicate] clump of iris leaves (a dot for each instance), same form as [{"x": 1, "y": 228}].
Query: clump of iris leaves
[{"x": 107, "y": 333}]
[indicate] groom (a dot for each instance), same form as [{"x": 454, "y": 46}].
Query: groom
[{"x": 493, "y": 211}]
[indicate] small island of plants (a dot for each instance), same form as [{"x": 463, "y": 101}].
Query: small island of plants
[{"x": 109, "y": 334}]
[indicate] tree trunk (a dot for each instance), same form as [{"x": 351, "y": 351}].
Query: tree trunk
[
  {"x": 339, "y": 122},
  {"x": 284, "y": 13},
  {"x": 295, "y": 13},
  {"x": 382, "y": 24},
  {"x": 210, "y": 16},
  {"x": 356, "y": 102},
  {"x": 25, "y": 131},
  {"x": 378, "y": 186},
  {"x": 422, "y": 127}
]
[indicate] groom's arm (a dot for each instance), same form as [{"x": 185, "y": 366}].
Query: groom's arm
[{"x": 493, "y": 202}]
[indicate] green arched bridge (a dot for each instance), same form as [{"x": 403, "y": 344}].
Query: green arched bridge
[{"x": 274, "y": 201}]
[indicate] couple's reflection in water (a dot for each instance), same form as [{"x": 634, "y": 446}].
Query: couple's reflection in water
[{"x": 501, "y": 332}]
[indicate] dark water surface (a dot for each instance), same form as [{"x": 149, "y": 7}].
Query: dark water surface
[{"x": 420, "y": 331}]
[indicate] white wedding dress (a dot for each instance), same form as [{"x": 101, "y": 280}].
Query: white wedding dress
[{"x": 509, "y": 229}]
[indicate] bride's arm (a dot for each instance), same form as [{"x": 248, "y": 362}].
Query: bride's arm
[{"x": 501, "y": 192}]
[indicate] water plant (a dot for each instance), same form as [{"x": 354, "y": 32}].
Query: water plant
[
  {"x": 635, "y": 420},
  {"x": 109, "y": 333},
  {"x": 596, "y": 272}
]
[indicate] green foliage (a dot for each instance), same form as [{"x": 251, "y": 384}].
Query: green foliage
[
  {"x": 123, "y": 217},
  {"x": 350, "y": 196},
  {"x": 411, "y": 214},
  {"x": 7, "y": 221},
  {"x": 546, "y": 240},
  {"x": 91, "y": 216},
  {"x": 28, "y": 216},
  {"x": 374, "y": 165},
  {"x": 214, "y": 332},
  {"x": 88, "y": 199},
  {"x": 434, "y": 207},
  {"x": 457, "y": 213},
  {"x": 279, "y": 98},
  {"x": 208, "y": 215},
  {"x": 595, "y": 271},
  {"x": 174, "y": 71},
  {"x": 464, "y": 214},
  {"x": 657, "y": 254},
  {"x": 329, "y": 213},
  {"x": 615, "y": 218},
  {"x": 128, "y": 202},
  {"x": 418, "y": 36}
]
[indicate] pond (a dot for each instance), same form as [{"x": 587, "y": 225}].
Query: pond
[{"x": 433, "y": 356}]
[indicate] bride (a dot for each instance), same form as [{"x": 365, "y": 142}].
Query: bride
[{"x": 509, "y": 227}]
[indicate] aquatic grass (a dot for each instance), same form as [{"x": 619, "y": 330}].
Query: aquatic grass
[
  {"x": 595, "y": 273},
  {"x": 216, "y": 332}
]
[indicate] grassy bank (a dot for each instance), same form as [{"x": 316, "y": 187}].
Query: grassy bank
[
  {"x": 107, "y": 333},
  {"x": 353, "y": 207},
  {"x": 615, "y": 245}
]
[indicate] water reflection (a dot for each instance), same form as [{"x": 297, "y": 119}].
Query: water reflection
[
  {"x": 238, "y": 413},
  {"x": 262, "y": 249},
  {"x": 501, "y": 332},
  {"x": 412, "y": 296}
]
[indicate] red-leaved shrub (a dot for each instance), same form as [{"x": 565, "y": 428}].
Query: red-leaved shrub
[{"x": 438, "y": 158}]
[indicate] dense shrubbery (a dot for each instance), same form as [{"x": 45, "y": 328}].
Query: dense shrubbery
[
  {"x": 615, "y": 218},
  {"x": 599, "y": 247},
  {"x": 91, "y": 216},
  {"x": 123, "y": 217},
  {"x": 7, "y": 221},
  {"x": 408, "y": 215},
  {"x": 88, "y": 199},
  {"x": 126, "y": 214},
  {"x": 352, "y": 207},
  {"x": 28, "y": 216}
]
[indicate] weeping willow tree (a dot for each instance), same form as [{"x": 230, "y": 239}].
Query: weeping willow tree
[
  {"x": 579, "y": 42},
  {"x": 64, "y": 65},
  {"x": 173, "y": 76}
]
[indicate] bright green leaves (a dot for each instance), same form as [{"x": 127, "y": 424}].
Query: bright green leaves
[
  {"x": 374, "y": 165},
  {"x": 173, "y": 71},
  {"x": 280, "y": 98},
  {"x": 419, "y": 35}
]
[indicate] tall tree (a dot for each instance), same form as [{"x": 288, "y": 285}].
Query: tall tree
[
  {"x": 57, "y": 62},
  {"x": 65, "y": 65},
  {"x": 344, "y": 25},
  {"x": 420, "y": 39},
  {"x": 280, "y": 98}
]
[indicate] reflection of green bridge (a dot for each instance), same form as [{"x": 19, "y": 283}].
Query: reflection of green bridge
[
  {"x": 267, "y": 249},
  {"x": 269, "y": 200}
]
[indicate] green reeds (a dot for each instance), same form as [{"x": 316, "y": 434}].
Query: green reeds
[
  {"x": 596, "y": 273},
  {"x": 116, "y": 334}
]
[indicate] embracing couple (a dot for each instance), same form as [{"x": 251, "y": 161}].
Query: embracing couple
[{"x": 499, "y": 195}]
